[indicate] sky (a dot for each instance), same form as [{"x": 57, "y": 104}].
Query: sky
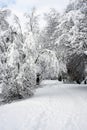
[{"x": 41, "y": 5}]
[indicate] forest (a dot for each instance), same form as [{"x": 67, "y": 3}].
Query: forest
[{"x": 30, "y": 54}]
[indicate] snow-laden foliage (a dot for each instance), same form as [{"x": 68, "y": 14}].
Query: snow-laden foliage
[
  {"x": 48, "y": 64},
  {"x": 31, "y": 21},
  {"x": 17, "y": 70},
  {"x": 49, "y": 35},
  {"x": 19, "y": 84},
  {"x": 56, "y": 51},
  {"x": 30, "y": 46},
  {"x": 11, "y": 88},
  {"x": 66, "y": 34},
  {"x": 31, "y": 30},
  {"x": 27, "y": 78},
  {"x": 77, "y": 5},
  {"x": 77, "y": 38},
  {"x": 74, "y": 25},
  {"x": 76, "y": 67}
]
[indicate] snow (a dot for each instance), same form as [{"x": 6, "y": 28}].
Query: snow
[
  {"x": 55, "y": 106},
  {"x": 85, "y": 52}
]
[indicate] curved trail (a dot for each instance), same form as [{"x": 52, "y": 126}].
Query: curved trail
[{"x": 54, "y": 107}]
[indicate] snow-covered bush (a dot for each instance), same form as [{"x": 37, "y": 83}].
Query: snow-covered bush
[
  {"x": 27, "y": 78},
  {"x": 10, "y": 87},
  {"x": 20, "y": 84}
]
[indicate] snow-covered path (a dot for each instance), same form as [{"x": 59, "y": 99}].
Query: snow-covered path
[{"x": 54, "y": 107}]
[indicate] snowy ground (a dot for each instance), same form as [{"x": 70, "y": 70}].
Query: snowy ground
[{"x": 54, "y": 107}]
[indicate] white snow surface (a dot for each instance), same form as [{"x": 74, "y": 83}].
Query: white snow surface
[{"x": 55, "y": 106}]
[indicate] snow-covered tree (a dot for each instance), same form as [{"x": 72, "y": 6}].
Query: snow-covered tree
[
  {"x": 18, "y": 75},
  {"x": 48, "y": 64},
  {"x": 31, "y": 21},
  {"x": 49, "y": 33},
  {"x": 72, "y": 31},
  {"x": 76, "y": 67},
  {"x": 31, "y": 33},
  {"x": 78, "y": 32},
  {"x": 30, "y": 46}
]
